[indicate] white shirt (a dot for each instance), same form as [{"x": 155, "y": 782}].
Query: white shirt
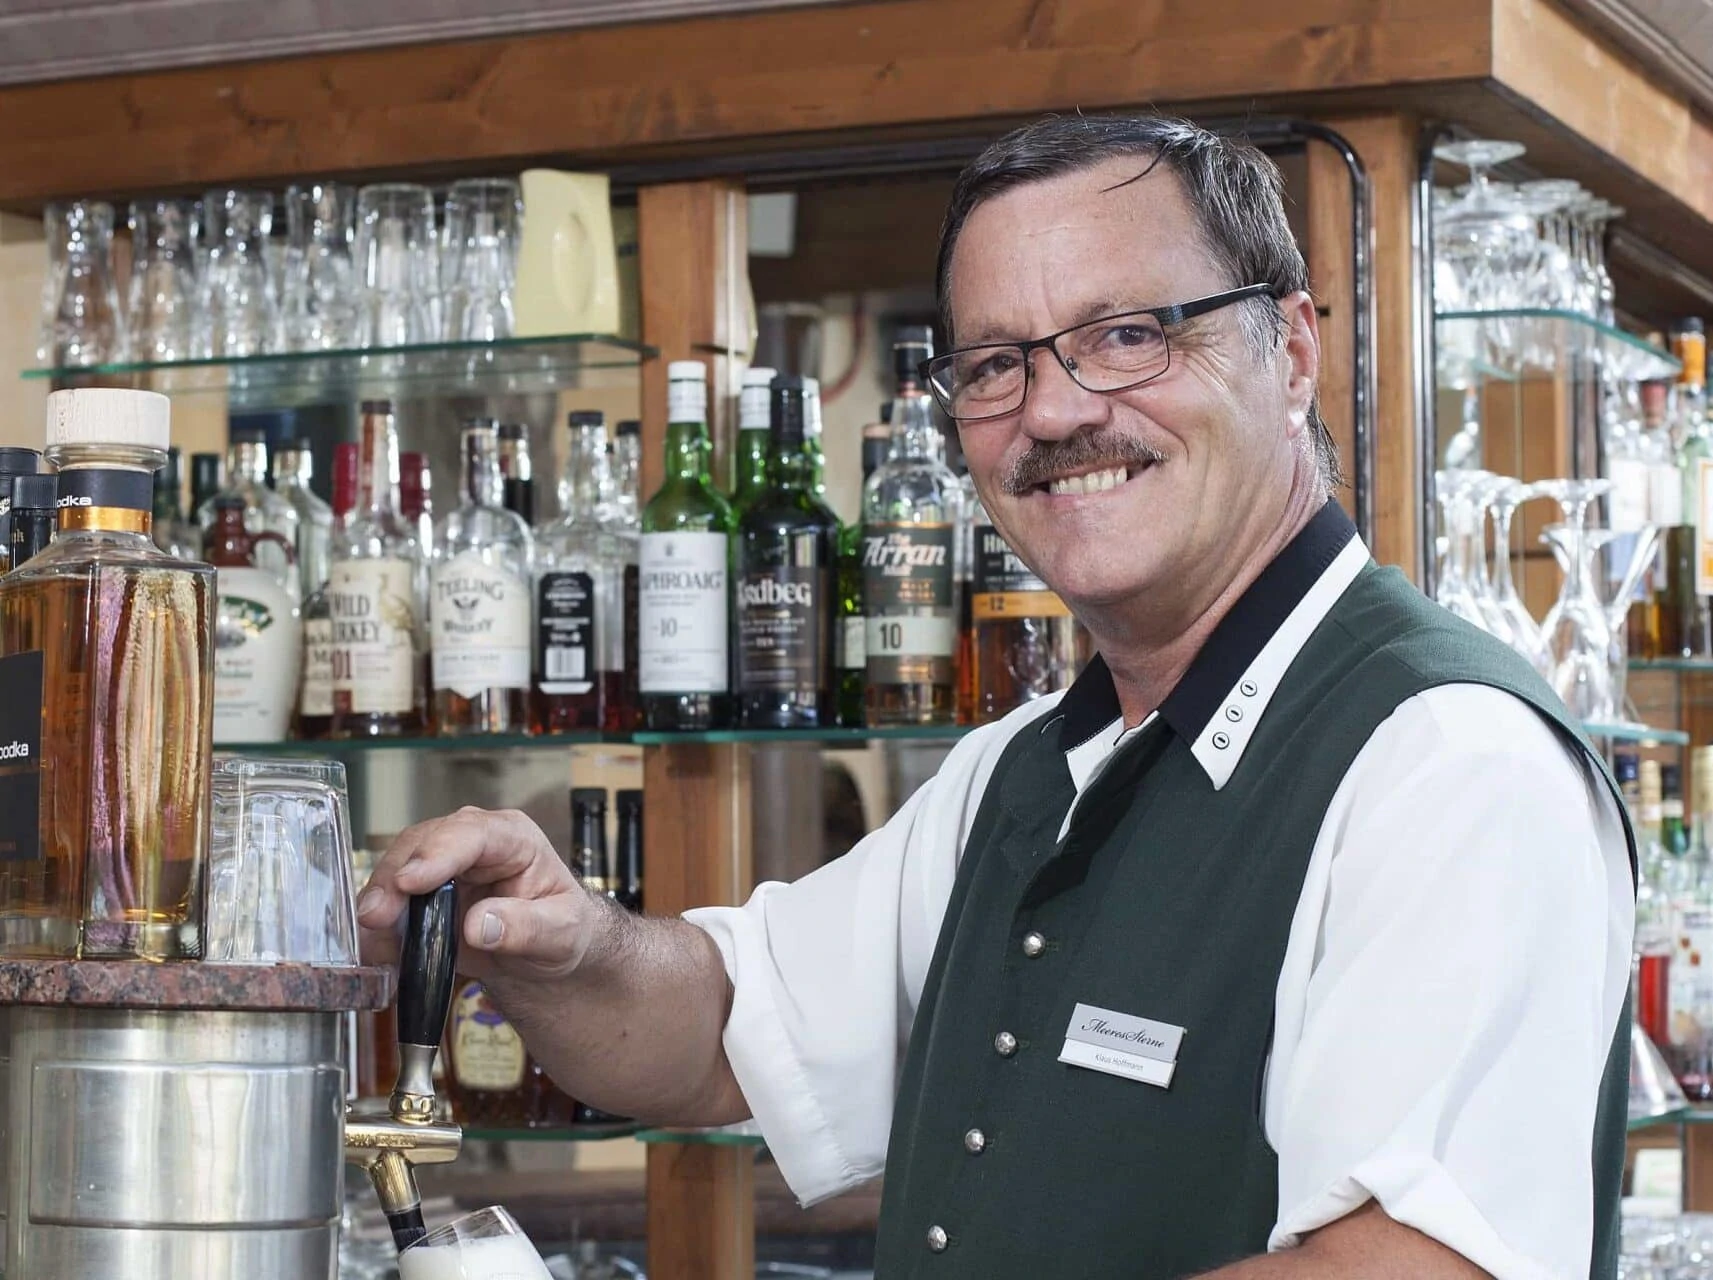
[{"x": 1456, "y": 964}]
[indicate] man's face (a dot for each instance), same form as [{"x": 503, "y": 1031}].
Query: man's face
[{"x": 1222, "y": 424}]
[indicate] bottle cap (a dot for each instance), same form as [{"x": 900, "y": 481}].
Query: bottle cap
[
  {"x": 34, "y": 492},
  {"x": 589, "y": 797},
  {"x": 1626, "y": 766},
  {"x": 812, "y": 407},
  {"x": 754, "y": 401},
  {"x": 109, "y": 415},
  {"x": 478, "y": 424},
  {"x": 788, "y": 413},
  {"x": 21, "y": 462},
  {"x": 248, "y": 435},
  {"x": 1670, "y": 779},
  {"x": 382, "y": 407},
  {"x": 513, "y": 431},
  {"x": 344, "y": 479},
  {"x": 586, "y": 418},
  {"x": 914, "y": 344},
  {"x": 629, "y": 427},
  {"x": 686, "y": 391},
  {"x": 686, "y": 370},
  {"x": 627, "y": 800}
]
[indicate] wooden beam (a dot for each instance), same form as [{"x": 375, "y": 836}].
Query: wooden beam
[
  {"x": 603, "y": 91},
  {"x": 1328, "y": 248}
]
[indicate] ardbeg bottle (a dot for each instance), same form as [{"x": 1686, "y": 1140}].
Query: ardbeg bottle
[
  {"x": 910, "y": 509},
  {"x": 786, "y": 604},
  {"x": 683, "y": 660}
]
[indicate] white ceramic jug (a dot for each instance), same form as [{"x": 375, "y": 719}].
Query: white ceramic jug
[{"x": 567, "y": 266}]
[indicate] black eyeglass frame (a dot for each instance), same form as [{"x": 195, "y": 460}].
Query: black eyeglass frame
[{"x": 1167, "y": 317}]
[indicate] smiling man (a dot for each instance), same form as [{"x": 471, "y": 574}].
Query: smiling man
[{"x": 1292, "y": 941}]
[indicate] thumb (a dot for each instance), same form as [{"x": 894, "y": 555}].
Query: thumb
[{"x": 540, "y": 932}]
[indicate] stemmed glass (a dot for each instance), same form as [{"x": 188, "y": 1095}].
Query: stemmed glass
[
  {"x": 484, "y": 1245},
  {"x": 1525, "y": 634},
  {"x": 1456, "y": 589},
  {"x": 1576, "y": 626},
  {"x": 1485, "y": 234}
]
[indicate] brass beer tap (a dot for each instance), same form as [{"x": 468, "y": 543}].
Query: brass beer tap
[{"x": 389, "y": 1145}]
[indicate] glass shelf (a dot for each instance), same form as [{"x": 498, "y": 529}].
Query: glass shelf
[
  {"x": 1623, "y": 732},
  {"x": 510, "y": 366},
  {"x": 1677, "y": 1115},
  {"x": 831, "y": 737},
  {"x": 1474, "y": 346},
  {"x": 470, "y": 745},
  {"x": 561, "y": 1133},
  {"x": 733, "y": 1136},
  {"x": 1671, "y": 664}
]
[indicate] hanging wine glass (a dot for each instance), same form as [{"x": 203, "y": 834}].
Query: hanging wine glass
[
  {"x": 1455, "y": 589},
  {"x": 1576, "y": 626},
  {"x": 1526, "y": 636}
]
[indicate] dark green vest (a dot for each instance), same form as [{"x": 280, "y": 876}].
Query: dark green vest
[{"x": 1170, "y": 901}]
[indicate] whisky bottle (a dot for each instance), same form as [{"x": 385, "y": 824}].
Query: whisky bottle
[
  {"x": 963, "y": 544},
  {"x": 850, "y": 644},
  {"x": 578, "y": 592},
  {"x": 106, "y": 698},
  {"x": 910, "y": 509},
  {"x": 683, "y": 657},
  {"x": 1684, "y": 615},
  {"x": 479, "y": 603},
  {"x": 517, "y": 475},
  {"x": 627, "y": 864},
  {"x": 294, "y": 468},
  {"x": 13, "y": 463},
  {"x": 264, "y": 510},
  {"x": 1654, "y": 941},
  {"x": 315, "y": 694},
  {"x": 416, "y": 496},
  {"x": 171, "y": 533},
  {"x": 33, "y": 517},
  {"x": 594, "y": 868},
  {"x": 1024, "y": 643},
  {"x": 750, "y": 462},
  {"x": 785, "y": 599},
  {"x": 375, "y": 591},
  {"x": 488, "y": 1071},
  {"x": 627, "y": 475},
  {"x": 813, "y": 449},
  {"x": 256, "y": 632}
]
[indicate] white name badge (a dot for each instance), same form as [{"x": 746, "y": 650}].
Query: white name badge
[{"x": 1121, "y": 1044}]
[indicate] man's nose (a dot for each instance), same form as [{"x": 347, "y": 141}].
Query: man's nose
[{"x": 1057, "y": 405}]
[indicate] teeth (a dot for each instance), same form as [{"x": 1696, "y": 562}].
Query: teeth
[{"x": 1095, "y": 482}]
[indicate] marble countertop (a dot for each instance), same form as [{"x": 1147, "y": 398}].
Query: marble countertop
[{"x": 132, "y": 984}]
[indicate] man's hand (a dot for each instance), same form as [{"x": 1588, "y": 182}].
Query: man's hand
[{"x": 524, "y": 914}]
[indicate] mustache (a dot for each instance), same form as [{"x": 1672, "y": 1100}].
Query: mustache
[{"x": 1047, "y": 460}]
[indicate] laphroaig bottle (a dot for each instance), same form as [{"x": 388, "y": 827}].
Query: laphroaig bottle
[
  {"x": 785, "y": 597},
  {"x": 850, "y": 644},
  {"x": 315, "y": 696},
  {"x": 479, "y": 603},
  {"x": 106, "y": 699},
  {"x": 750, "y": 455},
  {"x": 375, "y": 595},
  {"x": 910, "y": 513},
  {"x": 683, "y": 657},
  {"x": 1024, "y": 640}
]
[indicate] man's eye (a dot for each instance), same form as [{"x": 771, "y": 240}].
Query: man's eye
[
  {"x": 998, "y": 364},
  {"x": 1129, "y": 335}
]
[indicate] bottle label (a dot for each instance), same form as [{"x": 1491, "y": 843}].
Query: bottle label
[
  {"x": 682, "y": 613},
  {"x": 1665, "y": 496},
  {"x": 317, "y": 696},
  {"x": 910, "y": 632},
  {"x": 565, "y": 633},
  {"x": 1704, "y": 526},
  {"x": 783, "y": 644},
  {"x": 479, "y": 627},
  {"x": 1005, "y": 587},
  {"x": 256, "y": 656},
  {"x": 487, "y": 1052},
  {"x": 853, "y": 643},
  {"x": 21, "y": 756},
  {"x": 373, "y": 605},
  {"x": 1630, "y": 493}
]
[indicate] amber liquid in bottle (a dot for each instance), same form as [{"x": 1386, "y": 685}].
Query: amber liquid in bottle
[{"x": 491, "y": 1079}]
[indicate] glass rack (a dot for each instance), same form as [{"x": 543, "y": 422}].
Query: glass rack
[{"x": 1474, "y": 346}]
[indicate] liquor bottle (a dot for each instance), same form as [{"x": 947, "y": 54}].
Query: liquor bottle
[
  {"x": 168, "y": 530},
  {"x": 683, "y": 658},
  {"x": 264, "y": 510},
  {"x": 13, "y": 463},
  {"x": 1673, "y": 833},
  {"x": 479, "y": 603},
  {"x": 375, "y": 591},
  {"x": 1695, "y": 463},
  {"x": 579, "y": 588},
  {"x": 750, "y": 462},
  {"x": 627, "y": 470},
  {"x": 516, "y": 474},
  {"x": 850, "y": 644},
  {"x": 294, "y": 467},
  {"x": 910, "y": 508},
  {"x": 1646, "y": 633},
  {"x": 257, "y": 635},
  {"x": 1025, "y": 640},
  {"x": 107, "y": 677},
  {"x": 785, "y": 595},
  {"x": 1686, "y": 630},
  {"x": 33, "y": 517},
  {"x": 416, "y": 496},
  {"x": 1690, "y": 986},
  {"x": 207, "y": 474},
  {"x": 489, "y": 1075},
  {"x": 627, "y": 475},
  {"x": 627, "y": 871},
  {"x": 594, "y": 868},
  {"x": 964, "y": 559},
  {"x": 1653, "y": 936},
  {"x": 315, "y": 695},
  {"x": 813, "y": 446}
]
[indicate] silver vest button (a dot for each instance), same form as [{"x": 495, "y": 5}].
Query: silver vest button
[
  {"x": 1005, "y": 1044},
  {"x": 937, "y": 1239},
  {"x": 1033, "y": 945},
  {"x": 975, "y": 1142}
]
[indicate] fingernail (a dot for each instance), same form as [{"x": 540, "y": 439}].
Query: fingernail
[
  {"x": 492, "y": 928},
  {"x": 370, "y": 897}
]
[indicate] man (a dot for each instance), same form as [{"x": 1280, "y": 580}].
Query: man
[{"x": 1292, "y": 941}]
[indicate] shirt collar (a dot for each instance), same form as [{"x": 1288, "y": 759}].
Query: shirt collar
[{"x": 1220, "y": 699}]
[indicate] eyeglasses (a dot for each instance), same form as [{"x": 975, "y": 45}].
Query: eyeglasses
[{"x": 1113, "y": 353}]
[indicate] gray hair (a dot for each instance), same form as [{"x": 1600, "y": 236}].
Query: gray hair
[{"x": 1235, "y": 190}]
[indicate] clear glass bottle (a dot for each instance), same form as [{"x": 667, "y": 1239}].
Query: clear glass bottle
[
  {"x": 627, "y": 526},
  {"x": 579, "y": 592},
  {"x": 375, "y": 594},
  {"x": 850, "y": 645},
  {"x": 1023, "y": 642},
  {"x": 479, "y": 600},
  {"x": 749, "y": 462},
  {"x": 207, "y": 475},
  {"x": 910, "y": 511},
  {"x": 170, "y": 531},
  {"x": 684, "y": 657},
  {"x": 785, "y": 597},
  {"x": 1690, "y": 1048},
  {"x": 627, "y": 470},
  {"x": 1653, "y": 936},
  {"x": 315, "y": 694},
  {"x": 264, "y": 510},
  {"x": 416, "y": 496},
  {"x": 294, "y": 467},
  {"x": 107, "y": 681}
]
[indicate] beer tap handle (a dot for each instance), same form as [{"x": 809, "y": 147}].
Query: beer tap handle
[{"x": 425, "y": 995}]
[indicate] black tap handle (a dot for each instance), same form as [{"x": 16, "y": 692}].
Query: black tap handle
[{"x": 426, "y": 966}]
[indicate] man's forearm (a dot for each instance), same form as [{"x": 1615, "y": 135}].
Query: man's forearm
[
  {"x": 1363, "y": 1245},
  {"x": 635, "y": 1029}
]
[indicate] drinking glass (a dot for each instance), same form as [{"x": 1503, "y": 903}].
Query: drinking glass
[
  {"x": 484, "y": 1245},
  {"x": 1576, "y": 626},
  {"x": 397, "y": 262},
  {"x": 1455, "y": 590},
  {"x": 483, "y": 216},
  {"x": 242, "y": 316},
  {"x": 1526, "y": 636},
  {"x": 318, "y": 300},
  {"x": 1485, "y": 234},
  {"x": 162, "y": 302},
  {"x": 88, "y": 327},
  {"x": 279, "y": 878}
]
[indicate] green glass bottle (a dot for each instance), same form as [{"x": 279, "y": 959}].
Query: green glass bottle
[
  {"x": 787, "y": 604},
  {"x": 812, "y": 449},
  {"x": 750, "y": 465},
  {"x": 850, "y": 644},
  {"x": 683, "y": 651}
]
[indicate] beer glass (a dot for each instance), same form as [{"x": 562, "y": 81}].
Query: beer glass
[{"x": 484, "y": 1245}]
